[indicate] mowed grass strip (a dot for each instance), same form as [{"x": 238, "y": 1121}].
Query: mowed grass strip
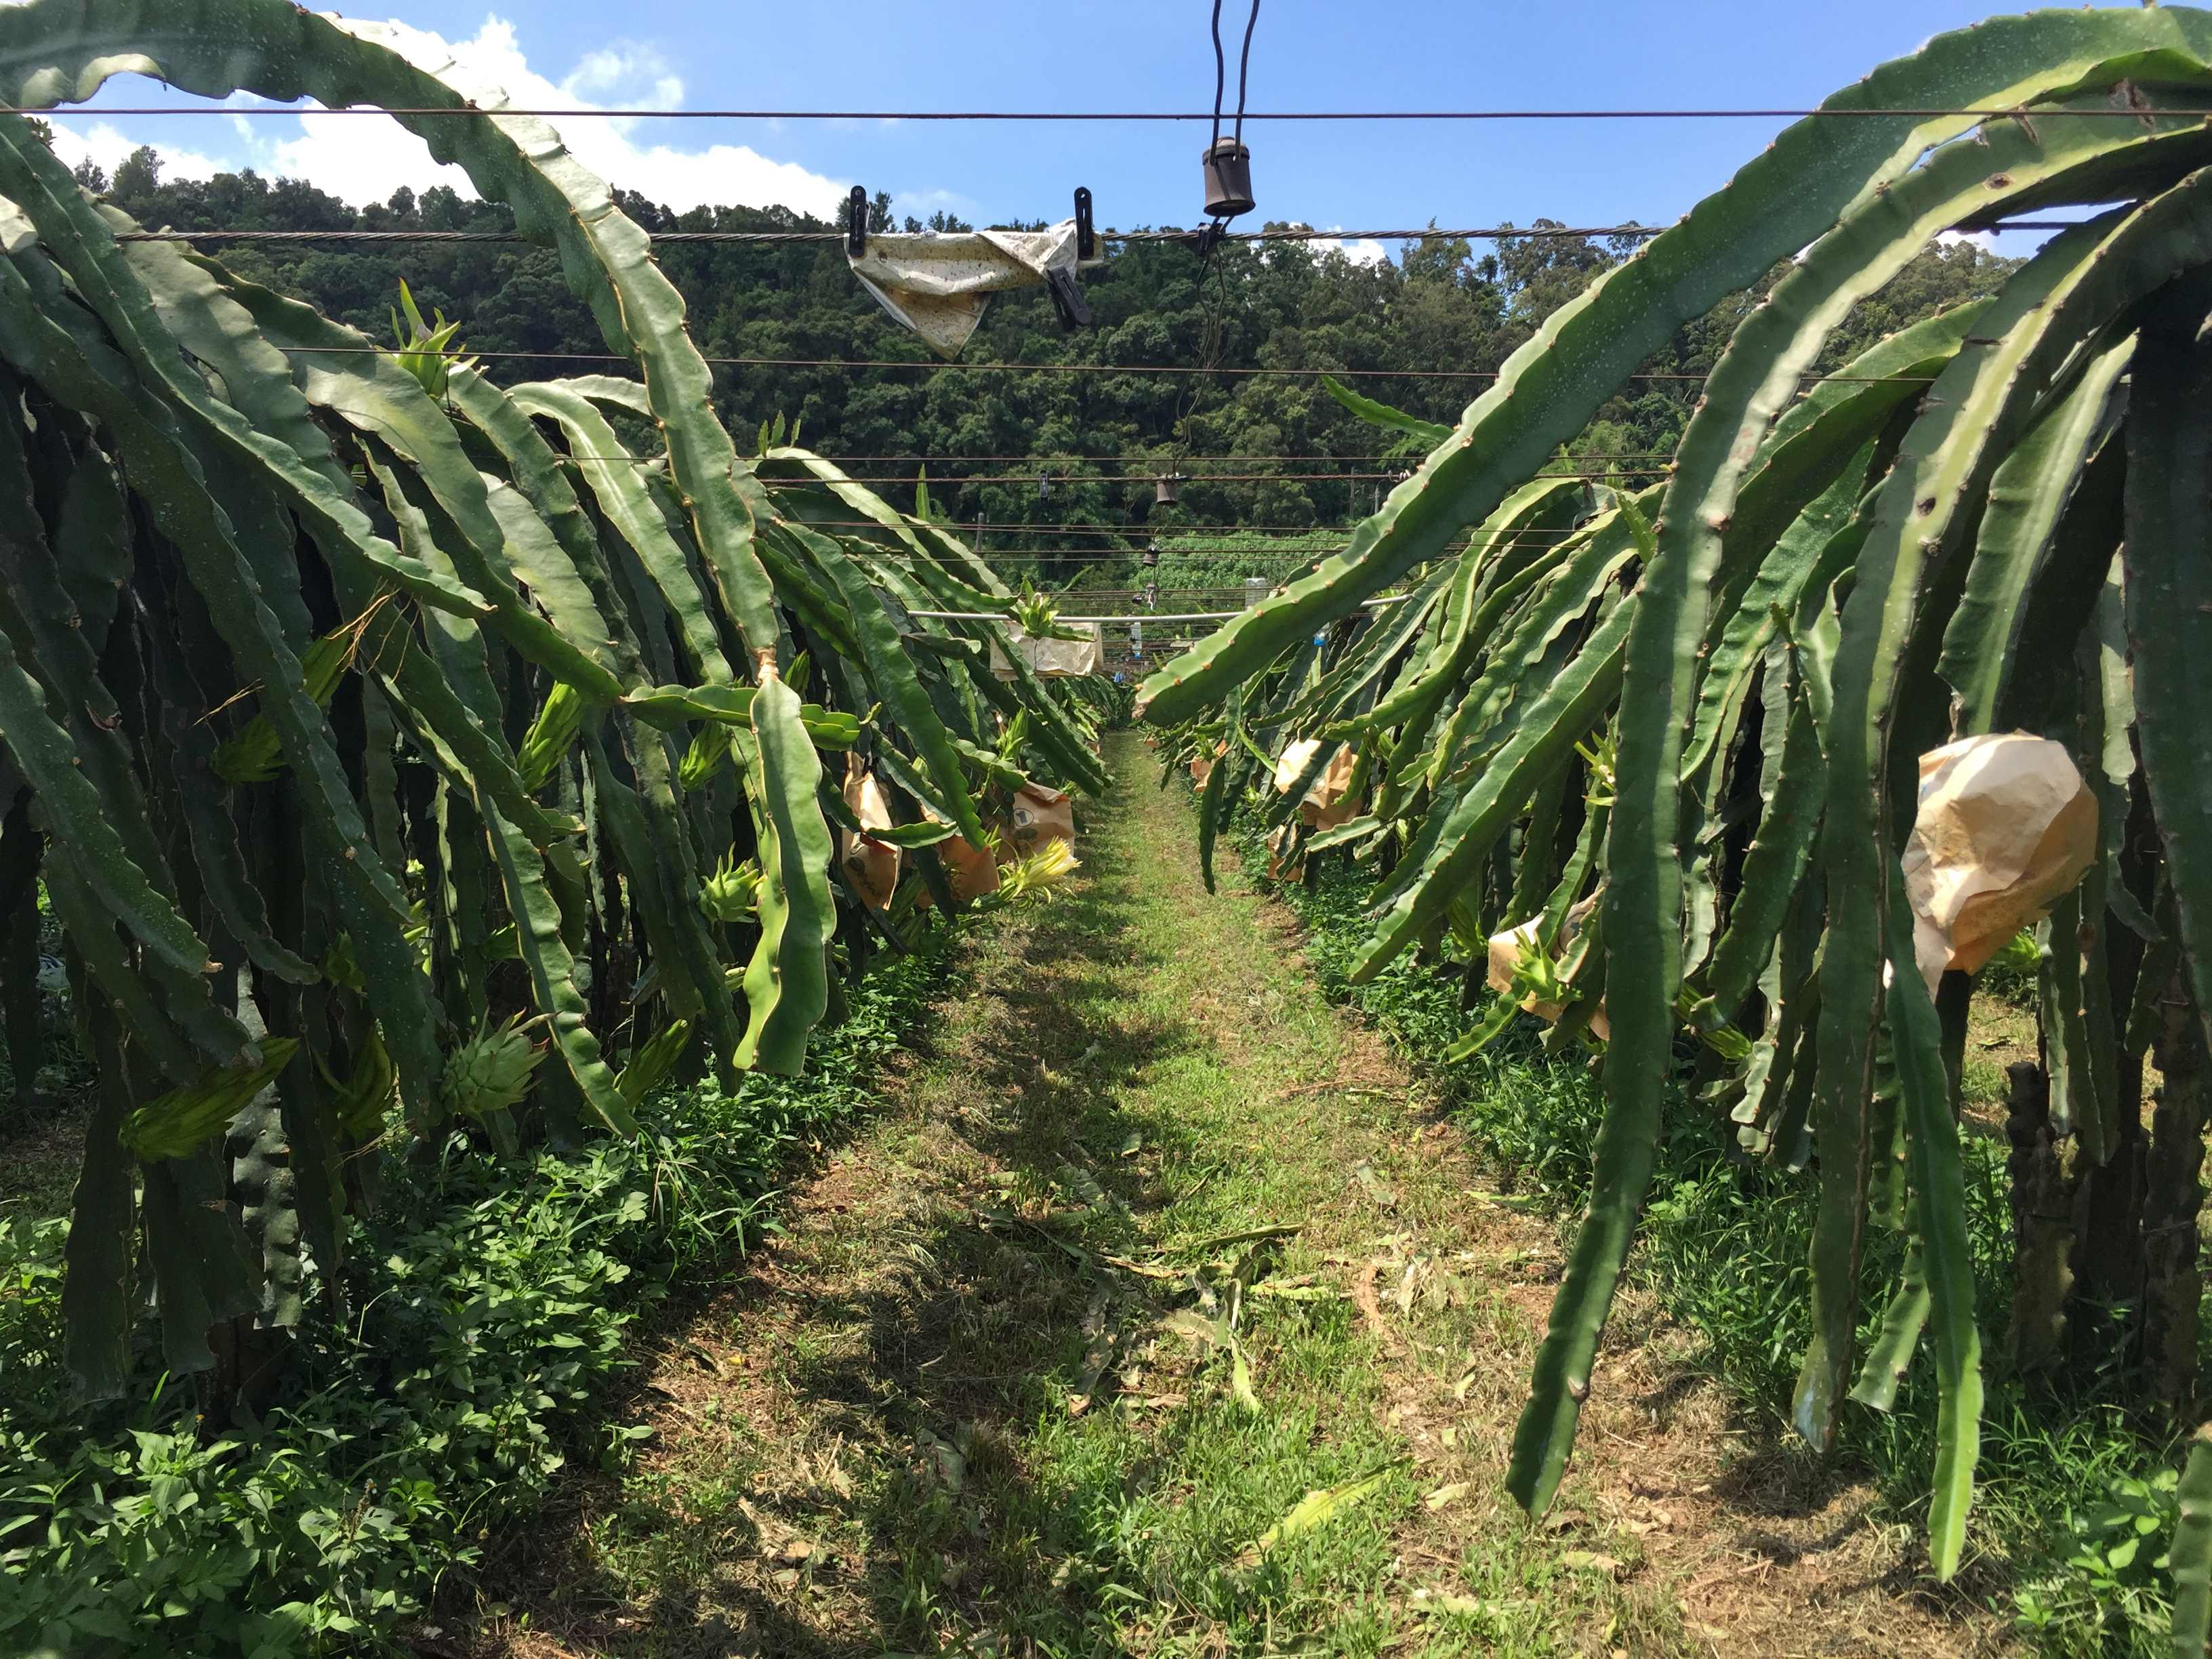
[{"x": 1153, "y": 1316}]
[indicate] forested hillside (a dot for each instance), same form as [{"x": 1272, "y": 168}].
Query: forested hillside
[{"x": 1082, "y": 446}]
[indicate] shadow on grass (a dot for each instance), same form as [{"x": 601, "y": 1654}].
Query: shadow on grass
[{"x": 939, "y": 1339}]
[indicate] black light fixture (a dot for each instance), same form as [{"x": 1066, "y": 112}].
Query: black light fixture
[
  {"x": 1227, "y": 160},
  {"x": 1228, "y": 164},
  {"x": 1164, "y": 488},
  {"x": 1151, "y": 560}
]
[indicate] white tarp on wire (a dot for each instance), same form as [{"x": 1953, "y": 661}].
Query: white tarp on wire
[
  {"x": 1054, "y": 659},
  {"x": 940, "y": 284}
]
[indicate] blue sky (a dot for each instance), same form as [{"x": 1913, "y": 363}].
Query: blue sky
[{"x": 1141, "y": 54}]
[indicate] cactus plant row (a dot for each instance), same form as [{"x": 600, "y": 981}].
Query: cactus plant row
[
  {"x": 1703, "y": 707},
  {"x": 386, "y": 740}
]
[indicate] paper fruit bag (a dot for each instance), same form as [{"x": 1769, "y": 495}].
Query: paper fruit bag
[
  {"x": 972, "y": 871},
  {"x": 1291, "y": 763},
  {"x": 872, "y": 866},
  {"x": 1040, "y": 814},
  {"x": 1329, "y": 802},
  {"x": 1506, "y": 950},
  {"x": 2005, "y": 827}
]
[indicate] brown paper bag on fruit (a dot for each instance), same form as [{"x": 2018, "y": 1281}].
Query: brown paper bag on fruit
[
  {"x": 2005, "y": 827},
  {"x": 1040, "y": 814},
  {"x": 1201, "y": 766},
  {"x": 1330, "y": 801},
  {"x": 1291, "y": 765},
  {"x": 971, "y": 870},
  {"x": 1278, "y": 846},
  {"x": 872, "y": 866},
  {"x": 1506, "y": 950}
]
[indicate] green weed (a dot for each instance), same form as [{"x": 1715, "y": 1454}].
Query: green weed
[
  {"x": 480, "y": 1328},
  {"x": 1724, "y": 1247}
]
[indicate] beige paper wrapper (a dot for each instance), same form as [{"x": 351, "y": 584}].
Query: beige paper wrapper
[
  {"x": 1329, "y": 802},
  {"x": 1291, "y": 763},
  {"x": 1506, "y": 950},
  {"x": 1040, "y": 814},
  {"x": 2006, "y": 827},
  {"x": 872, "y": 866},
  {"x": 971, "y": 872},
  {"x": 1326, "y": 803}
]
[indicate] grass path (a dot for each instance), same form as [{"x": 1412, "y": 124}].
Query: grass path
[{"x": 1150, "y": 1244}]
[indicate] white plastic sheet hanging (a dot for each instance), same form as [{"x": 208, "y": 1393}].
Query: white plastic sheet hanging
[
  {"x": 1053, "y": 658},
  {"x": 938, "y": 285}
]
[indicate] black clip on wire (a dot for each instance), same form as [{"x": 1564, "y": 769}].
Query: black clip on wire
[
  {"x": 1061, "y": 283},
  {"x": 856, "y": 221}
]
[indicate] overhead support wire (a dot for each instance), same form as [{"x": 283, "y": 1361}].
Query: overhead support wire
[
  {"x": 1294, "y": 233},
  {"x": 2038, "y": 111},
  {"x": 1066, "y": 368},
  {"x": 1188, "y": 477},
  {"x": 1180, "y": 532},
  {"x": 1159, "y": 460},
  {"x": 1133, "y": 616}
]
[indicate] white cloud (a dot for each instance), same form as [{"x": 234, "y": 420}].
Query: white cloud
[
  {"x": 364, "y": 158},
  {"x": 1362, "y": 250},
  {"x": 921, "y": 204},
  {"x": 107, "y": 146},
  {"x": 611, "y": 70},
  {"x": 1986, "y": 240}
]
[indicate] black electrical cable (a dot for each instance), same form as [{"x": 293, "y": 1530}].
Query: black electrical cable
[
  {"x": 1220, "y": 72},
  {"x": 1243, "y": 68}
]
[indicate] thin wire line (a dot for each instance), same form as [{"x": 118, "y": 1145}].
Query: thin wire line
[
  {"x": 1058, "y": 476},
  {"x": 880, "y": 554},
  {"x": 1086, "y": 595},
  {"x": 1182, "y": 532},
  {"x": 1070, "y": 368},
  {"x": 1244, "y": 562},
  {"x": 1283, "y": 540},
  {"x": 1289, "y": 533},
  {"x": 1131, "y": 553},
  {"x": 1155, "y": 460},
  {"x": 1304, "y": 233},
  {"x": 2032, "y": 111},
  {"x": 1137, "y": 617},
  {"x": 1188, "y": 477}
]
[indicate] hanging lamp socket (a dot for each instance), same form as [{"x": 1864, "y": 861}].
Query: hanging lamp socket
[
  {"x": 1228, "y": 178},
  {"x": 1164, "y": 488}
]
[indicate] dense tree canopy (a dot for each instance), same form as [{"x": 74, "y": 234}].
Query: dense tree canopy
[{"x": 1090, "y": 442}]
